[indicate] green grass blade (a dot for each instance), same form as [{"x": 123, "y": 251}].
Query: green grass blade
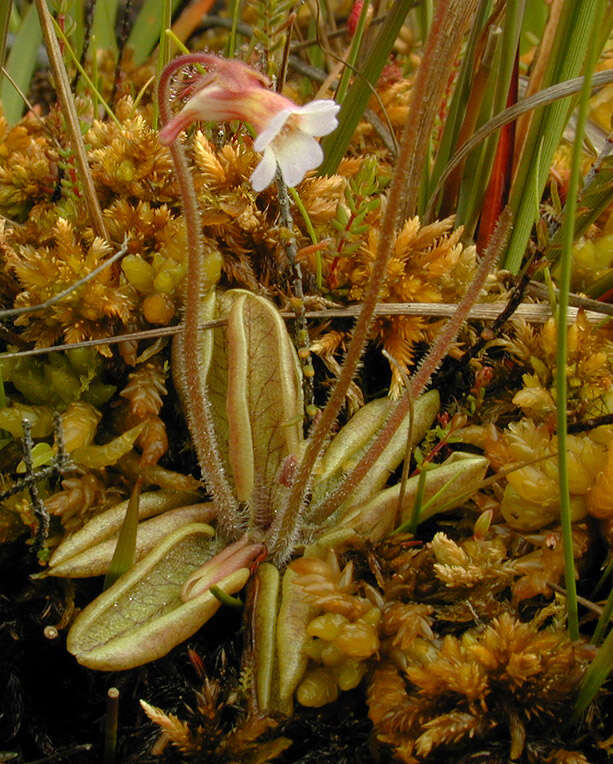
[
  {"x": 356, "y": 42},
  {"x": 595, "y": 677},
  {"x": 411, "y": 526},
  {"x": 164, "y": 55},
  {"x": 335, "y": 144},
  {"x": 604, "y": 620},
  {"x": 75, "y": 13},
  {"x": 532, "y": 140},
  {"x": 125, "y": 550},
  {"x": 459, "y": 99},
  {"x": 5, "y": 17},
  {"x": 145, "y": 33},
  {"x": 164, "y": 49},
  {"x": 534, "y": 23},
  {"x": 545, "y": 134},
  {"x": 2, "y": 392},
  {"x": 103, "y": 27},
  {"x": 235, "y": 13},
  {"x": 568, "y": 228},
  {"x": 541, "y": 98},
  {"x": 20, "y": 65},
  {"x": 473, "y": 178},
  {"x": 426, "y": 14},
  {"x": 502, "y": 72}
]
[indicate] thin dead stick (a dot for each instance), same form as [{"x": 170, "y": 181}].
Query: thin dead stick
[
  {"x": 40, "y": 511},
  {"x": 581, "y": 600},
  {"x": 72, "y": 121},
  {"x": 578, "y": 301},
  {"x": 533, "y": 312},
  {"x": 147, "y": 334}
]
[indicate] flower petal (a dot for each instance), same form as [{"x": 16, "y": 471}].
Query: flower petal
[
  {"x": 297, "y": 153},
  {"x": 318, "y": 117},
  {"x": 265, "y": 171},
  {"x": 272, "y": 129}
]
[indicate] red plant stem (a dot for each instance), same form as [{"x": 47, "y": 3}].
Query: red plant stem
[
  {"x": 188, "y": 356},
  {"x": 452, "y": 17},
  {"x": 500, "y": 180},
  {"x": 478, "y": 89}
]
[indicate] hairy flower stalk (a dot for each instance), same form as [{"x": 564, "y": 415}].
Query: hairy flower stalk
[
  {"x": 200, "y": 420},
  {"x": 231, "y": 90},
  {"x": 447, "y": 31}
]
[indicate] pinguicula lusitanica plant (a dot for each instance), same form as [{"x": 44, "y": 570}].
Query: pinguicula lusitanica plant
[{"x": 273, "y": 490}]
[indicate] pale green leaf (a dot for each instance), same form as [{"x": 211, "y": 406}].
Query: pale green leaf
[
  {"x": 142, "y": 616},
  {"x": 354, "y": 439},
  {"x": 264, "y": 397},
  {"x": 94, "y": 560},
  {"x": 451, "y": 484},
  {"x": 105, "y": 525}
]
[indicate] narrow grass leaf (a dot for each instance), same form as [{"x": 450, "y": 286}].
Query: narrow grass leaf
[
  {"x": 103, "y": 27},
  {"x": 548, "y": 95},
  {"x": 235, "y": 16},
  {"x": 502, "y": 74},
  {"x": 21, "y": 64},
  {"x": 125, "y": 551},
  {"x": 595, "y": 677},
  {"x": 353, "y": 54},
  {"x": 75, "y": 11},
  {"x": 352, "y": 109},
  {"x": 411, "y": 526},
  {"x": 145, "y": 33},
  {"x": 546, "y": 133},
  {"x": 568, "y": 227},
  {"x": 459, "y": 100},
  {"x": 5, "y": 16},
  {"x": 604, "y": 620}
]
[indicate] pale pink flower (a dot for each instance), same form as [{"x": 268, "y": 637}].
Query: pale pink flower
[{"x": 285, "y": 132}]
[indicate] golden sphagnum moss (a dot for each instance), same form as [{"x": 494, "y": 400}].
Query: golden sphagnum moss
[
  {"x": 446, "y": 690},
  {"x": 440, "y": 688}
]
